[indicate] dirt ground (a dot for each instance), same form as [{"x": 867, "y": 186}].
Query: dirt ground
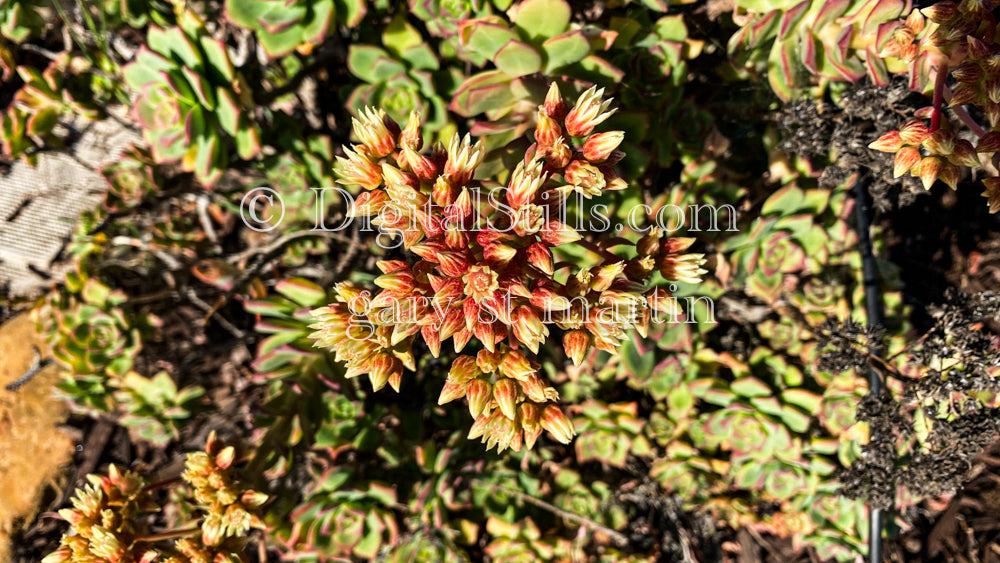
[{"x": 33, "y": 447}]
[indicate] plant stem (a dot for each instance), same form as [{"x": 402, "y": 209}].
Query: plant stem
[
  {"x": 939, "y": 87},
  {"x": 606, "y": 254},
  {"x": 169, "y": 535},
  {"x": 619, "y": 538}
]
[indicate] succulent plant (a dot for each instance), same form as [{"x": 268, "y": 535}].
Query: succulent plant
[
  {"x": 92, "y": 335},
  {"x": 443, "y": 17},
  {"x": 663, "y": 123},
  {"x": 538, "y": 39},
  {"x": 284, "y": 26},
  {"x": 20, "y": 19},
  {"x": 136, "y": 13},
  {"x": 522, "y": 541},
  {"x": 130, "y": 179},
  {"x": 38, "y": 106},
  {"x": 609, "y": 433},
  {"x": 403, "y": 76},
  {"x": 155, "y": 409},
  {"x": 287, "y": 350},
  {"x": 829, "y": 40},
  {"x": 789, "y": 239},
  {"x": 337, "y": 521},
  {"x": 191, "y": 100}
]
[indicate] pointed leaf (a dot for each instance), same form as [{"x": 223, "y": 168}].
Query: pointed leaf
[
  {"x": 217, "y": 58},
  {"x": 175, "y": 45},
  {"x": 301, "y": 291},
  {"x": 202, "y": 89}
]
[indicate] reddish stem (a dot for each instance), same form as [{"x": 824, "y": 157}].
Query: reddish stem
[{"x": 939, "y": 86}]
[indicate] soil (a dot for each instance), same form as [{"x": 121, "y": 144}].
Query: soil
[{"x": 34, "y": 447}]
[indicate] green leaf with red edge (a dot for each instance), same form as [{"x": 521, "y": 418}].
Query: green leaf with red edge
[
  {"x": 482, "y": 92},
  {"x": 807, "y": 400},
  {"x": 720, "y": 397},
  {"x": 146, "y": 68},
  {"x": 680, "y": 402},
  {"x": 794, "y": 419},
  {"x": 762, "y": 6},
  {"x": 280, "y": 43},
  {"x": 42, "y": 121},
  {"x": 350, "y": 12},
  {"x": 565, "y": 49},
  {"x": 421, "y": 57},
  {"x": 849, "y": 69},
  {"x": 540, "y": 19},
  {"x": 372, "y": 64},
  {"x": 202, "y": 89},
  {"x": 247, "y": 141},
  {"x": 245, "y": 14},
  {"x": 796, "y": 225},
  {"x": 302, "y": 291},
  {"x": 762, "y": 29},
  {"x": 517, "y": 59},
  {"x": 599, "y": 70},
  {"x": 217, "y": 58},
  {"x": 486, "y": 38},
  {"x": 766, "y": 405},
  {"x": 178, "y": 84},
  {"x": 321, "y": 21},
  {"x": 767, "y": 288},
  {"x": 206, "y": 159},
  {"x": 277, "y": 340},
  {"x": 791, "y": 18},
  {"x": 281, "y": 16},
  {"x": 886, "y": 33},
  {"x": 781, "y": 68},
  {"x": 174, "y": 44},
  {"x": 876, "y": 68},
  {"x": 268, "y": 308},
  {"x": 831, "y": 10},
  {"x": 276, "y": 358},
  {"x": 884, "y": 11},
  {"x": 750, "y": 387},
  {"x": 399, "y": 35},
  {"x": 227, "y": 111},
  {"x": 95, "y": 293},
  {"x": 636, "y": 359},
  {"x": 786, "y": 200}
]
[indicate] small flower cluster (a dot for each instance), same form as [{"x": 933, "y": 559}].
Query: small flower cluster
[
  {"x": 930, "y": 155},
  {"x": 109, "y": 521},
  {"x": 229, "y": 506},
  {"x": 496, "y": 281},
  {"x": 956, "y": 39},
  {"x": 104, "y": 519}
]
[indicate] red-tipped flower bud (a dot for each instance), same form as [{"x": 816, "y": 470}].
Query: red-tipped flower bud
[
  {"x": 557, "y": 423},
  {"x": 599, "y": 147}
]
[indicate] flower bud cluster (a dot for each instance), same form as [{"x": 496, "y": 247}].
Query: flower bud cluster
[
  {"x": 928, "y": 155},
  {"x": 104, "y": 519},
  {"x": 489, "y": 274},
  {"x": 229, "y": 507},
  {"x": 109, "y": 519}
]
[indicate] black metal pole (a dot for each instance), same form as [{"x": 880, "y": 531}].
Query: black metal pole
[{"x": 873, "y": 308}]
